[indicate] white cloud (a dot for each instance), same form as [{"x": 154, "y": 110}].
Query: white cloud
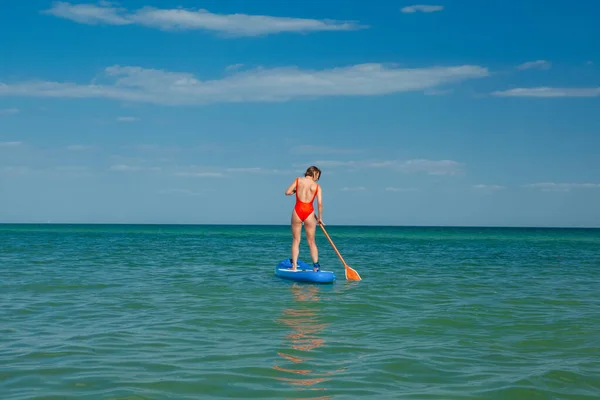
[
  {"x": 9, "y": 111},
  {"x": 233, "y": 67},
  {"x": 332, "y": 163},
  {"x": 88, "y": 13},
  {"x": 562, "y": 187},
  {"x": 421, "y": 8},
  {"x": 549, "y": 92},
  {"x": 190, "y": 171},
  {"x": 10, "y": 144},
  {"x": 539, "y": 64},
  {"x": 354, "y": 189},
  {"x": 184, "y": 19},
  {"x": 127, "y": 119},
  {"x": 488, "y": 188},
  {"x": 431, "y": 167},
  {"x": 136, "y": 84}
]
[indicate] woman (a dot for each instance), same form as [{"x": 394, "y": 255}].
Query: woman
[{"x": 306, "y": 190}]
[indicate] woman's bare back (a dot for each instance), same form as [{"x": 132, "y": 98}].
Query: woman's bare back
[{"x": 306, "y": 189}]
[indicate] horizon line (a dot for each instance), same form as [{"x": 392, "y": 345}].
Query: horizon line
[{"x": 287, "y": 225}]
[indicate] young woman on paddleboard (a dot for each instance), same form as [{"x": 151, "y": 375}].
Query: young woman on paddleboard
[{"x": 306, "y": 189}]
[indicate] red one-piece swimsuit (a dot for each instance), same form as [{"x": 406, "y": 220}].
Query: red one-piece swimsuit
[{"x": 304, "y": 209}]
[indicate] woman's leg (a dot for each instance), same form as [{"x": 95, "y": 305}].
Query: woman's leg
[
  {"x": 310, "y": 226},
  {"x": 296, "y": 233}
]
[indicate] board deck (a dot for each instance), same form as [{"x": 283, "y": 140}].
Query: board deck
[{"x": 304, "y": 273}]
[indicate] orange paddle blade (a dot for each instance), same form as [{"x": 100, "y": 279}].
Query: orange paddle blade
[{"x": 351, "y": 274}]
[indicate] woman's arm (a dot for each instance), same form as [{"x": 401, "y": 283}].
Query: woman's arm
[
  {"x": 320, "y": 206},
  {"x": 291, "y": 189}
]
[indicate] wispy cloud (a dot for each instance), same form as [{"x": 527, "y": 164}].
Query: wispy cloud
[
  {"x": 127, "y": 119},
  {"x": 539, "y": 64},
  {"x": 354, "y": 189},
  {"x": 230, "y": 25},
  {"x": 421, "y": 8},
  {"x": 549, "y": 92},
  {"x": 192, "y": 171},
  {"x": 10, "y": 144},
  {"x": 233, "y": 67},
  {"x": 136, "y": 84},
  {"x": 46, "y": 170},
  {"x": 91, "y": 14},
  {"x": 335, "y": 164},
  {"x": 9, "y": 111},
  {"x": 431, "y": 167},
  {"x": 562, "y": 187},
  {"x": 488, "y": 188}
]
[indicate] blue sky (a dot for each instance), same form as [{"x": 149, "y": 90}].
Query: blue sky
[{"x": 442, "y": 113}]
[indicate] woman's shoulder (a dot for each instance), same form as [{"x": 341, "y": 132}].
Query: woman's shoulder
[{"x": 306, "y": 182}]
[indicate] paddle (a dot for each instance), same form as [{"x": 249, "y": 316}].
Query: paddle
[{"x": 351, "y": 274}]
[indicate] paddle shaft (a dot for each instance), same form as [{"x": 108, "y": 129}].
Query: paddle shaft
[{"x": 333, "y": 245}]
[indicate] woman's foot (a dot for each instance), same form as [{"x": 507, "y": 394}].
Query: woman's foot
[{"x": 316, "y": 267}]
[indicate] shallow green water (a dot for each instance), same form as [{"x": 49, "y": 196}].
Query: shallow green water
[{"x": 195, "y": 312}]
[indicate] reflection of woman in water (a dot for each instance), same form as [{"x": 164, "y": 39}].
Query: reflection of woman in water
[{"x": 305, "y": 324}]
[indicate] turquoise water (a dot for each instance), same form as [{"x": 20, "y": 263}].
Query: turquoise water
[{"x": 195, "y": 312}]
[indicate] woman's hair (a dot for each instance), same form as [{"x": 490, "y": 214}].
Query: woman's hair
[{"x": 313, "y": 171}]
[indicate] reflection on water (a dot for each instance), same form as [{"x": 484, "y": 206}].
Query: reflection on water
[{"x": 305, "y": 323}]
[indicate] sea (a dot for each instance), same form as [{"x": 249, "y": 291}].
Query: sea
[{"x": 196, "y": 312}]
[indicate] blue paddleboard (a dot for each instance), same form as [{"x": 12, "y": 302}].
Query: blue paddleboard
[{"x": 304, "y": 273}]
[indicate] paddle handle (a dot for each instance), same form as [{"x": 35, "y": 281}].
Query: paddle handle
[{"x": 333, "y": 245}]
